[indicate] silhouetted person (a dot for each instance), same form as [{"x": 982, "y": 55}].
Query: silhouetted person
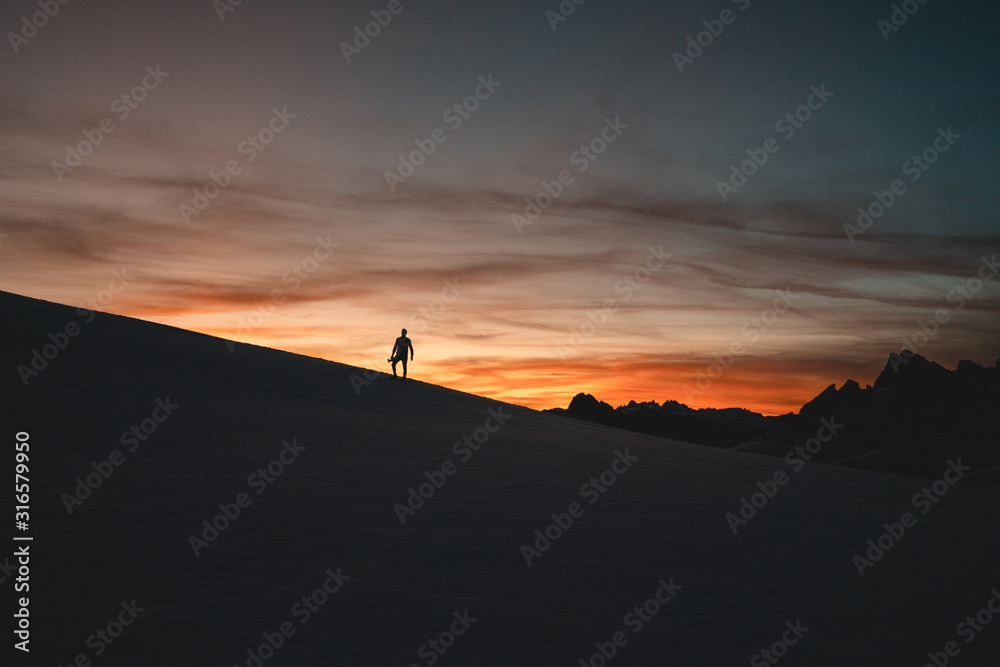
[{"x": 399, "y": 353}]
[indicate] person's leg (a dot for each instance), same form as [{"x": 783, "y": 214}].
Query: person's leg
[
  {"x": 404, "y": 366},
  {"x": 394, "y": 362}
]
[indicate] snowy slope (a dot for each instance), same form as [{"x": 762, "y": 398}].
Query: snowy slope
[{"x": 332, "y": 506}]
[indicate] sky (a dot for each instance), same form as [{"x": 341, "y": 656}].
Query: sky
[{"x": 551, "y": 198}]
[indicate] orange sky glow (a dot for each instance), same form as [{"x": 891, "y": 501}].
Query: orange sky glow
[{"x": 568, "y": 235}]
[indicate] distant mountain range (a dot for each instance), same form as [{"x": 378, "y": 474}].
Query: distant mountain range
[{"x": 915, "y": 418}]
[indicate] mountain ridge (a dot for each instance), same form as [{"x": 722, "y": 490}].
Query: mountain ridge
[{"x": 916, "y": 409}]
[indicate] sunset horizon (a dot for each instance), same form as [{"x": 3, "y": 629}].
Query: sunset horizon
[
  {"x": 689, "y": 214},
  {"x": 724, "y": 381}
]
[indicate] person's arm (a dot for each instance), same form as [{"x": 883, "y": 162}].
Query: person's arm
[
  {"x": 411, "y": 350},
  {"x": 392, "y": 355}
]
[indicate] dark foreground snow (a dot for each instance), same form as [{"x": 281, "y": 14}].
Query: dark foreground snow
[{"x": 327, "y": 518}]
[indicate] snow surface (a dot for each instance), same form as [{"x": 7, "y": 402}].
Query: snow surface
[{"x": 333, "y": 508}]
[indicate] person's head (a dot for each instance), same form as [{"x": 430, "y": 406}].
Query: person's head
[{"x": 404, "y": 332}]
